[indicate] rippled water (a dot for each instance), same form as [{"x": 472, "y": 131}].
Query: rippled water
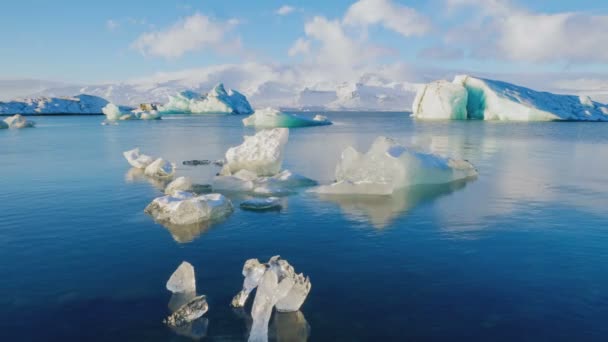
[{"x": 521, "y": 253}]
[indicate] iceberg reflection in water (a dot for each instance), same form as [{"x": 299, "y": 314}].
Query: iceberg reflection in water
[
  {"x": 284, "y": 326},
  {"x": 380, "y": 211}
]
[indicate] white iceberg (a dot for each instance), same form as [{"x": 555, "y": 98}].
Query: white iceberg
[
  {"x": 80, "y": 104},
  {"x": 160, "y": 168},
  {"x": 182, "y": 280},
  {"x": 270, "y": 117},
  {"x": 112, "y": 112},
  {"x": 270, "y": 290},
  {"x": 179, "y": 184},
  {"x": 18, "y": 121},
  {"x": 441, "y": 100},
  {"x": 149, "y": 115},
  {"x": 261, "y": 153},
  {"x": 183, "y": 208},
  {"x": 136, "y": 159},
  {"x": 217, "y": 101},
  {"x": 388, "y": 166},
  {"x": 496, "y": 100},
  {"x": 261, "y": 203}
]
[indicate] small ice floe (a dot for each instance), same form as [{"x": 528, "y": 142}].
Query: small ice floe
[
  {"x": 183, "y": 279},
  {"x": 184, "y": 208},
  {"x": 270, "y": 117},
  {"x": 219, "y": 162},
  {"x": 388, "y": 166},
  {"x": 137, "y": 159},
  {"x": 179, "y": 184},
  {"x": 261, "y": 153},
  {"x": 160, "y": 168},
  {"x": 277, "y": 286},
  {"x": 114, "y": 113},
  {"x": 17, "y": 121},
  {"x": 189, "y": 312},
  {"x": 261, "y": 204}
]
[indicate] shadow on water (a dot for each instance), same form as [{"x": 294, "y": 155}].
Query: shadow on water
[{"x": 380, "y": 211}]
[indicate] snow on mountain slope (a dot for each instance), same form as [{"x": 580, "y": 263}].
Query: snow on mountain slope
[{"x": 80, "y": 104}]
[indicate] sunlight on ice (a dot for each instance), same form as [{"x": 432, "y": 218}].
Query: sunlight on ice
[
  {"x": 388, "y": 166},
  {"x": 184, "y": 208}
]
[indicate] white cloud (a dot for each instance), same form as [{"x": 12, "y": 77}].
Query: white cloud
[
  {"x": 112, "y": 24},
  {"x": 285, "y": 10},
  {"x": 192, "y": 33},
  {"x": 506, "y": 32},
  {"x": 401, "y": 19},
  {"x": 301, "y": 46}
]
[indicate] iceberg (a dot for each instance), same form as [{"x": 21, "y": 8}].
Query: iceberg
[
  {"x": 115, "y": 113},
  {"x": 80, "y": 104},
  {"x": 18, "y": 121},
  {"x": 216, "y": 101},
  {"x": 388, "y": 166},
  {"x": 160, "y": 168},
  {"x": 179, "y": 184},
  {"x": 270, "y": 290},
  {"x": 261, "y": 203},
  {"x": 183, "y": 208},
  {"x": 270, "y": 117},
  {"x": 111, "y": 111},
  {"x": 253, "y": 271},
  {"x": 182, "y": 280},
  {"x": 261, "y": 153},
  {"x": 496, "y": 100},
  {"x": 137, "y": 159}
]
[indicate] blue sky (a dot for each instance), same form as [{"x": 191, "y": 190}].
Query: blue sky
[{"x": 78, "y": 41}]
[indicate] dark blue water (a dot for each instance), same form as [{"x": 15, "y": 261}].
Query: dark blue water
[{"x": 521, "y": 253}]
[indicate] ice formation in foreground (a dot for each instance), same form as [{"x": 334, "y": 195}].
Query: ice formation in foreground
[
  {"x": 216, "y": 101},
  {"x": 182, "y": 280},
  {"x": 270, "y": 117},
  {"x": 160, "y": 168},
  {"x": 17, "y": 121},
  {"x": 475, "y": 98},
  {"x": 80, "y": 104},
  {"x": 277, "y": 286},
  {"x": 179, "y": 184},
  {"x": 136, "y": 159},
  {"x": 261, "y": 154},
  {"x": 261, "y": 203},
  {"x": 388, "y": 166},
  {"x": 184, "y": 208}
]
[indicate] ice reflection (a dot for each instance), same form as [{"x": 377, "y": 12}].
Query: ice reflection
[
  {"x": 284, "y": 326},
  {"x": 380, "y": 211},
  {"x": 137, "y": 175},
  {"x": 187, "y": 232}
]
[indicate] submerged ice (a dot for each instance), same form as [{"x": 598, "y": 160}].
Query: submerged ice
[
  {"x": 476, "y": 98},
  {"x": 218, "y": 100},
  {"x": 388, "y": 166},
  {"x": 270, "y": 117}
]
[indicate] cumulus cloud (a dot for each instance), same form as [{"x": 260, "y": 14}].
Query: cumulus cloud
[
  {"x": 192, "y": 33},
  {"x": 507, "y": 32},
  {"x": 285, "y": 10},
  {"x": 301, "y": 46},
  {"x": 401, "y": 19}
]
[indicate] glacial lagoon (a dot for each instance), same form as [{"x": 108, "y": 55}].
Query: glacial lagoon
[{"x": 517, "y": 254}]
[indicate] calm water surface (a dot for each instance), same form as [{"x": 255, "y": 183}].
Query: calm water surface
[{"x": 521, "y": 253}]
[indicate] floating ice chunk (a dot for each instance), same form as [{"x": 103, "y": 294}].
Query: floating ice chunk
[
  {"x": 160, "y": 168},
  {"x": 270, "y": 290},
  {"x": 150, "y": 115},
  {"x": 496, "y": 100},
  {"x": 261, "y": 203},
  {"x": 296, "y": 296},
  {"x": 287, "y": 179},
  {"x": 253, "y": 271},
  {"x": 388, "y": 166},
  {"x": 218, "y": 100},
  {"x": 128, "y": 116},
  {"x": 137, "y": 159},
  {"x": 189, "y": 312},
  {"x": 18, "y": 121},
  {"x": 182, "y": 280},
  {"x": 231, "y": 184},
  {"x": 183, "y": 208},
  {"x": 261, "y": 153},
  {"x": 179, "y": 184},
  {"x": 441, "y": 100},
  {"x": 270, "y": 117},
  {"x": 111, "y": 111}
]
